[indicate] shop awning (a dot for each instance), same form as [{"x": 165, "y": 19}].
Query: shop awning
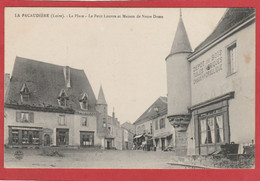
[
  {"x": 163, "y": 135},
  {"x": 138, "y": 136}
]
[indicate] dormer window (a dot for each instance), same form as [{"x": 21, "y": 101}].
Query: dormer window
[
  {"x": 63, "y": 97},
  {"x": 84, "y": 101},
  {"x": 25, "y": 93}
]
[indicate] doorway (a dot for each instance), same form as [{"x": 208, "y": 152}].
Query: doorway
[
  {"x": 47, "y": 140},
  {"x": 163, "y": 143},
  {"x": 109, "y": 144},
  {"x": 62, "y": 137}
]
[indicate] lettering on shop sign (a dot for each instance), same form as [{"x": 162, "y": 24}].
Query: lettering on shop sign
[{"x": 207, "y": 67}]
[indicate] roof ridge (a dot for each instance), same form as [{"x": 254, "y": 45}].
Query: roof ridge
[
  {"x": 144, "y": 116},
  {"x": 239, "y": 17},
  {"x": 41, "y": 62},
  {"x": 222, "y": 17}
]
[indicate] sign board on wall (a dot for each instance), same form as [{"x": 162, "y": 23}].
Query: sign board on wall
[{"x": 207, "y": 67}]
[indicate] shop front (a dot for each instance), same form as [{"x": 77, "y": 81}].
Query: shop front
[
  {"x": 62, "y": 136},
  {"x": 138, "y": 141},
  {"x": 86, "y": 138},
  {"x": 212, "y": 124},
  {"x": 25, "y": 136},
  {"x": 164, "y": 141}
]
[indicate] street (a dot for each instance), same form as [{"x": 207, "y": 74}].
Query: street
[{"x": 89, "y": 158}]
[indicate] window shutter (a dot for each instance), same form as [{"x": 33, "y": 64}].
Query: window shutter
[
  {"x": 82, "y": 121},
  {"x": 18, "y": 116},
  {"x": 10, "y": 135},
  {"x": 67, "y": 137},
  {"x": 31, "y": 117}
]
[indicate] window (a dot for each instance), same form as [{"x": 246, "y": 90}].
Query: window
[
  {"x": 25, "y": 137},
  {"x": 84, "y": 101},
  {"x": 84, "y": 121},
  {"x": 156, "y": 124},
  {"x": 104, "y": 123},
  {"x": 84, "y": 105},
  {"x": 25, "y": 98},
  {"x": 232, "y": 59},
  {"x": 162, "y": 123},
  {"x": 24, "y": 92},
  {"x": 211, "y": 130},
  {"x": 143, "y": 129},
  {"x": 87, "y": 139},
  {"x": 25, "y": 117},
  {"x": 15, "y": 137},
  {"x": 35, "y": 137},
  {"x": 62, "y": 99},
  {"x": 110, "y": 130},
  {"x": 62, "y": 120}
]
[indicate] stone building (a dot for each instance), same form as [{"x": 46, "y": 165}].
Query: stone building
[
  {"x": 128, "y": 135},
  {"x": 108, "y": 127},
  {"x": 163, "y": 132},
  {"x": 153, "y": 123},
  {"x": 49, "y": 104},
  {"x": 114, "y": 138},
  {"x": 211, "y": 90},
  {"x": 52, "y": 105}
]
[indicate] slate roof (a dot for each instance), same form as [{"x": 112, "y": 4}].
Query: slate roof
[
  {"x": 150, "y": 113},
  {"x": 45, "y": 82},
  {"x": 101, "y": 97},
  {"x": 181, "y": 43},
  {"x": 231, "y": 19}
]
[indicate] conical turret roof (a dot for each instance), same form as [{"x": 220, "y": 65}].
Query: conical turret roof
[
  {"x": 101, "y": 97},
  {"x": 181, "y": 41}
]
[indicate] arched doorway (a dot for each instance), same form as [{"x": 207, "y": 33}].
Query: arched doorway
[{"x": 47, "y": 140}]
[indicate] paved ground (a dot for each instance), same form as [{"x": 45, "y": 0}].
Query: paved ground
[{"x": 89, "y": 158}]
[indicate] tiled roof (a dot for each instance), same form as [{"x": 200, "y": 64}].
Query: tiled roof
[
  {"x": 232, "y": 18},
  {"x": 45, "y": 82},
  {"x": 151, "y": 113}
]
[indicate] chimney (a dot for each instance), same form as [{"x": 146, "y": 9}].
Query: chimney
[
  {"x": 66, "y": 71},
  {"x": 113, "y": 114}
]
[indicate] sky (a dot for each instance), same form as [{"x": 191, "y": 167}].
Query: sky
[{"x": 124, "y": 55}]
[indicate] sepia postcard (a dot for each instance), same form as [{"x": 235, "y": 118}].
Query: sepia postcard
[{"x": 129, "y": 88}]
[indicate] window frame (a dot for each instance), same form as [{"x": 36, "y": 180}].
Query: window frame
[
  {"x": 15, "y": 136},
  {"x": 84, "y": 102},
  {"x": 62, "y": 99},
  {"x": 59, "y": 120},
  {"x": 156, "y": 124},
  {"x": 19, "y": 117},
  {"x": 162, "y": 123},
  {"x": 232, "y": 66},
  {"x": 84, "y": 121},
  {"x": 206, "y": 118}
]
